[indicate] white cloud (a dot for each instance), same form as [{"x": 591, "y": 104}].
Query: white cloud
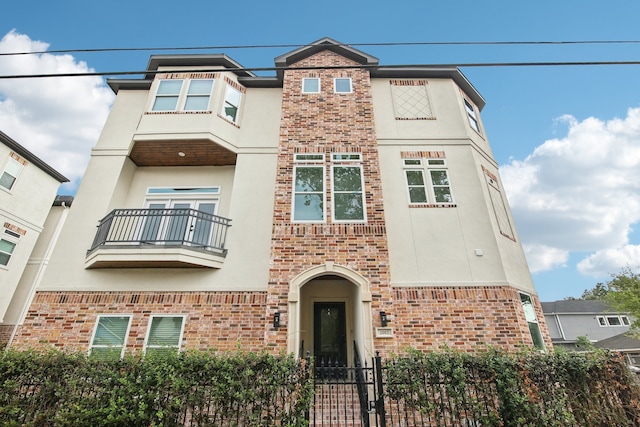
[
  {"x": 58, "y": 119},
  {"x": 610, "y": 261},
  {"x": 579, "y": 193},
  {"x": 544, "y": 258}
]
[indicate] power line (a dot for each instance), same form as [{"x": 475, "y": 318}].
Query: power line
[
  {"x": 254, "y": 69},
  {"x": 289, "y": 46}
]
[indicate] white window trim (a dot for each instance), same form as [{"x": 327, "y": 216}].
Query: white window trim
[
  {"x": 335, "y": 85},
  {"x": 9, "y": 161},
  {"x": 410, "y": 186},
  {"x": 310, "y": 164},
  {"x": 534, "y": 320},
  {"x": 426, "y": 168},
  {"x": 182, "y": 95},
  {"x": 224, "y": 101},
  {"x": 311, "y": 78},
  {"x": 11, "y": 239},
  {"x": 343, "y": 164},
  {"x": 472, "y": 117},
  {"x": 608, "y": 325},
  {"x": 126, "y": 335},
  {"x": 153, "y": 316}
]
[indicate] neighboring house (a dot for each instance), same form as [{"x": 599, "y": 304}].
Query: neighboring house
[
  {"x": 622, "y": 343},
  {"x": 336, "y": 207},
  {"x": 28, "y": 188},
  {"x": 569, "y": 319}
]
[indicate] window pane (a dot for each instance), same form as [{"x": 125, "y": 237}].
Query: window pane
[
  {"x": 230, "y": 111},
  {"x": 614, "y": 321},
  {"x": 4, "y": 259},
  {"x": 6, "y": 246},
  {"x": 343, "y": 85},
  {"x": 625, "y": 320},
  {"x": 536, "y": 336},
  {"x": 602, "y": 321},
  {"x": 311, "y": 85},
  {"x": 309, "y": 179},
  {"x": 200, "y": 87},
  {"x": 439, "y": 178},
  {"x": 106, "y": 353},
  {"x": 165, "y": 103},
  {"x": 7, "y": 181},
  {"x": 348, "y": 206},
  {"x": 165, "y": 331},
  {"x": 199, "y": 103},
  {"x": 169, "y": 87},
  {"x": 417, "y": 195},
  {"x": 111, "y": 331},
  {"x": 346, "y": 178},
  {"x": 308, "y": 207},
  {"x": 415, "y": 177},
  {"x": 443, "y": 194},
  {"x": 232, "y": 96}
]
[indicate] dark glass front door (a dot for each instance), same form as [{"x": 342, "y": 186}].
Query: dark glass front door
[{"x": 330, "y": 333}]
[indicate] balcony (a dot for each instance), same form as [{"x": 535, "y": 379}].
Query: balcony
[{"x": 169, "y": 238}]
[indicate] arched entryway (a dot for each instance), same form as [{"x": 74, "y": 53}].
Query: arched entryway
[{"x": 329, "y": 311}]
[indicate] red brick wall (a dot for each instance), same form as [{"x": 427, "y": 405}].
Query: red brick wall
[
  {"x": 462, "y": 318},
  {"x": 327, "y": 123},
  {"x": 5, "y": 335},
  {"x": 224, "y": 321}
]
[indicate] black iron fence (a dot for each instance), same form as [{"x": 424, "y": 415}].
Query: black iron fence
[{"x": 184, "y": 227}]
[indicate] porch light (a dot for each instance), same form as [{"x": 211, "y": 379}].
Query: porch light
[
  {"x": 276, "y": 319},
  {"x": 384, "y": 321}
]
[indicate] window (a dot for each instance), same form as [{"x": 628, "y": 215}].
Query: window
[
  {"x": 438, "y": 181},
  {"x": 309, "y": 192},
  {"x": 613, "y": 321},
  {"x": 170, "y": 96},
  {"x": 110, "y": 337},
  {"x": 471, "y": 114},
  {"x": 167, "y": 95},
  {"x": 308, "y": 201},
  {"x": 198, "y": 95},
  {"x": 231, "y": 104},
  {"x": 348, "y": 197},
  {"x": 342, "y": 85},
  {"x": 6, "y": 249},
  {"x": 10, "y": 174},
  {"x": 164, "y": 335},
  {"x": 311, "y": 85},
  {"x": 532, "y": 320}
]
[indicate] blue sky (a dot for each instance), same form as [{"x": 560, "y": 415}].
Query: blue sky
[{"x": 567, "y": 137}]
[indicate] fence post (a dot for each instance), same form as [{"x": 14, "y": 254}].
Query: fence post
[{"x": 380, "y": 411}]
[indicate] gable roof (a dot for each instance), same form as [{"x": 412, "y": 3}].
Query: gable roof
[
  {"x": 32, "y": 158},
  {"x": 619, "y": 342}
]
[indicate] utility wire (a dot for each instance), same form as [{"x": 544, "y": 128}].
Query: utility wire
[
  {"x": 405, "y": 66},
  {"x": 288, "y": 46}
]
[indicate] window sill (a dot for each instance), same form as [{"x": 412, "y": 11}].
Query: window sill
[{"x": 433, "y": 205}]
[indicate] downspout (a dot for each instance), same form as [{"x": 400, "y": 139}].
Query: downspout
[{"x": 41, "y": 269}]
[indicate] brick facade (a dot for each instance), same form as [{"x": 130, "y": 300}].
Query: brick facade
[
  {"x": 223, "y": 321},
  {"x": 461, "y": 318},
  {"x": 5, "y": 334},
  {"x": 327, "y": 122}
]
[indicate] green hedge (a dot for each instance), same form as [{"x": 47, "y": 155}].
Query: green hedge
[
  {"x": 204, "y": 389},
  {"x": 533, "y": 389}
]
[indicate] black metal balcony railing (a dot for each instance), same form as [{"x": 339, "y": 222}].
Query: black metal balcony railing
[{"x": 171, "y": 227}]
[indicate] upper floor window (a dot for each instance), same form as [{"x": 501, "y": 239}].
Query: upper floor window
[
  {"x": 471, "y": 114},
  {"x": 10, "y": 174},
  {"x": 231, "y": 103},
  {"x": 428, "y": 179},
  {"x": 183, "y": 95},
  {"x": 6, "y": 250},
  {"x": 164, "y": 335},
  {"x": 342, "y": 85},
  {"x": 110, "y": 336},
  {"x": 311, "y": 85},
  {"x": 347, "y": 188}
]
